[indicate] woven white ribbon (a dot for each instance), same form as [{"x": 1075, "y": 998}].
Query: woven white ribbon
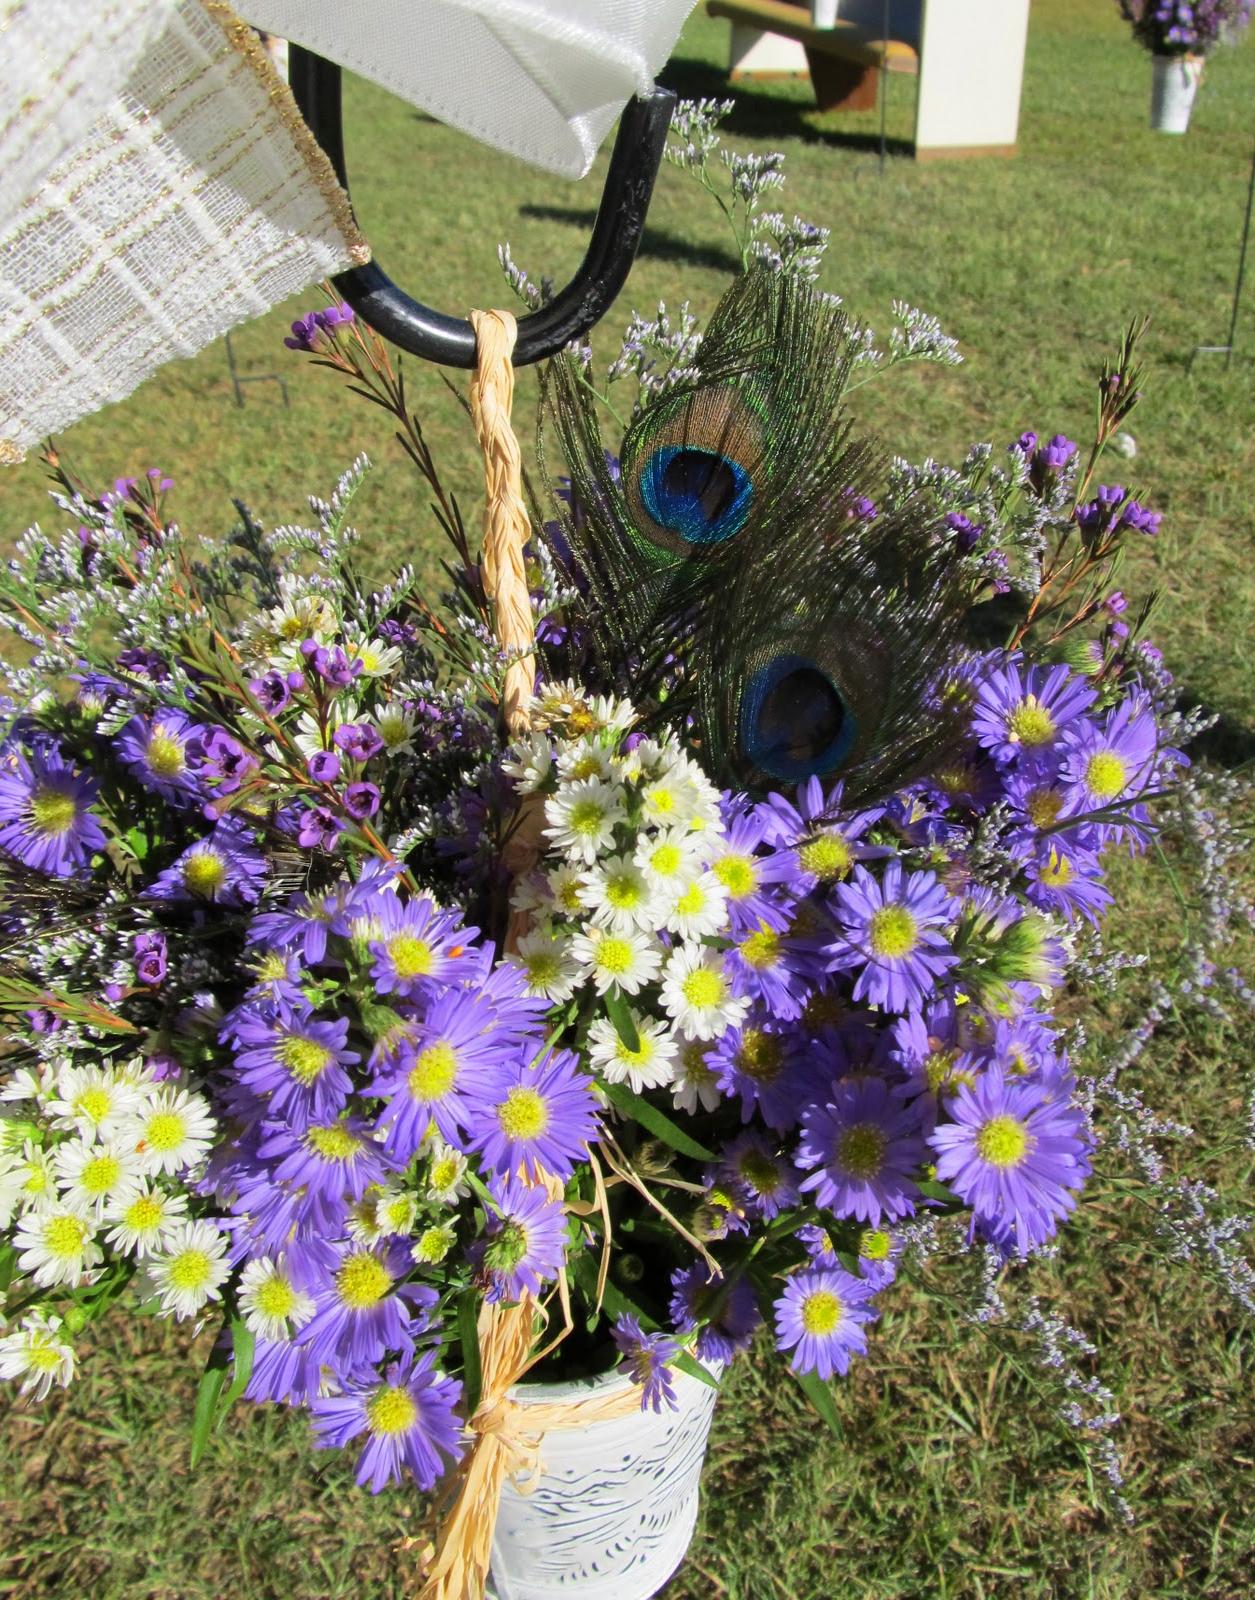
[
  {"x": 541, "y": 79},
  {"x": 159, "y": 186}
]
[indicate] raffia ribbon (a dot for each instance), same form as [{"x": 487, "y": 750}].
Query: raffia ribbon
[{"x": 506, "y": 1437}]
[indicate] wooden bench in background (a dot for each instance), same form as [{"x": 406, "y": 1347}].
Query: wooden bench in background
[{"x": 845, "y": 60}]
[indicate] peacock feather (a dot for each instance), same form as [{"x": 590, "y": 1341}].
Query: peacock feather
[{"x": 735, "y": 557}]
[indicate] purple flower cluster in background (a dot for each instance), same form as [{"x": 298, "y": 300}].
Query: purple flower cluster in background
[{"x": 1180, "y": 27}]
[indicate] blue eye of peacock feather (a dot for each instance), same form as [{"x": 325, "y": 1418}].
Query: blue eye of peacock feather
[
  {"x": 795, "y": 722},
  {"x": 699, "y": 494}
]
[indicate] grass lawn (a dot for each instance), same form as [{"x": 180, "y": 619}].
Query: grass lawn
[{"x": 952, "y": 1480}]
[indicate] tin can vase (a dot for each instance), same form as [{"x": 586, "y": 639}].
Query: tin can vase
[
  {"x": 616, "y": 1503},
  {"x": 1173, "y": 87},
  {"x": 824, "y": 13}
]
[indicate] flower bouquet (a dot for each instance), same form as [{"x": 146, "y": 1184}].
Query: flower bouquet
[
  {"x": 1180, "y": 34},
  {"x": 433, "y": 1013}
]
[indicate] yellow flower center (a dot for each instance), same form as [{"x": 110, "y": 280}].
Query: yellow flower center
[
  {"x": 861, "y": 1150},
  {"x": 588, "y": 766},
  {"x": 821, "y": 1312},
  {"x": 760, "y": 1055},
  {"x": 100, "y": 1174},
  {"x": 52, "y": 812},
  {"x": 1106, "y": 775},
  {"x": 44, "y": 1358},
  {"x": 431, "y": 1077},
  {"x": 305, "y": 1059},
  {"x": 1030, "y": 723},
  {"x": 1057, "y": 873},
  {"x": 392, "y": 1411},
  {"x": 692, "y": 901},
  {"x": 144, "y": 1214},
  {"x": 444, "y": 1173},
  {"x": 827, "y": 856},
  {"x": 165, "y": 1131},
  {"x": 523, "y": 1114},
  {"x": 737, "y": 875},
  {"x": 411, "y": 957},
  {"x": 568, "y": 897},
  {"x": 204, "y": 873},
  {"x": 693, "y": 1066},
  {"x": 362, "y": 1281},
  {"x": 1003, "y": 1141},
  {"x": 703, "y": 988},
  {"x": 666, "y": 860},
  {"x": 586, "y": 818},
  {"x": 189, "y": 1270},
  {"x": 761, "y": 949},
  {"x": 614, "y": 956},
  {"x": 623, "y": 891},
  {"x": 276, "y": 1298},
  {"x": 334, "y": 1143},
  {"x": 661, "y": 802},
  {"x": 937, "y": 1068},
  {"x": 165, "y": 755},
  {"x": 760, "y": 1172},
  {"x": 893, "y": 932},
  {"x": 543, "y": 968},
  {"x": 65, "y": 1236},
  {"x": 873, "y": 1244},
  {"x": 93, "y": 1104},
  {"x": 1043, "y": 806},
  {"x": 434, "y": 1244}
]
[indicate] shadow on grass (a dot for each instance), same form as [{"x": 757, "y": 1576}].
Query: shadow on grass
[
  {"x": 655, "y": 242},
  {"x": 1227, "y": 743}
]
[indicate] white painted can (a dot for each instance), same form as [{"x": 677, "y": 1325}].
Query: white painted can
[
  {"x": 824, "y": 12},
  {"x": 1173, "y": 88},
  {"x": 614, "y": 1511}
]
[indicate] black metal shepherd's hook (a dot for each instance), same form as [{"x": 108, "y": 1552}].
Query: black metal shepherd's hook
[{"x": 450, "y": 341}]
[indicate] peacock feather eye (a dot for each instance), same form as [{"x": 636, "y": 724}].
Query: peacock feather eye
[
  {"x": 703, "y": 496},
  {"x": 795, "y": 723}
]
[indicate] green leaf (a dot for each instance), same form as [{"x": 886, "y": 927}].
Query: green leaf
[
  {"x": 688, "y": 1363},
  {"x": 938, "y": 1191},
  {"x": 208, "y": 1395},
  {"x": 137, "y": 840},
  {"x": 634, "y": 1106},
  {"x": 8, "y": 1262},
  {"x": 242, "y": 1347},
  {"x": 820, "y": 1396},
  {"x": 620, "y": 1013},
  {"x": 468, "y": 1333}
]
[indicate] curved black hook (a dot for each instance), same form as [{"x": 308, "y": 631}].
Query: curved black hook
[{"x": 634, "y": 164}]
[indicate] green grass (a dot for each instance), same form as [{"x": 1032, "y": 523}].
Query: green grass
[{"x": 951, "y": 1480}]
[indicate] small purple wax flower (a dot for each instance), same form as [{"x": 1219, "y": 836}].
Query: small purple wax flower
[
  {"x": 394, "y": 631},
  {"x": 44, "y": 1021},
  {"x": 271, "y": 692},
  {"x": 1055, "y": 455},
  {"x": 305, "y": 331},
  {"x": 143, "y": 663},
  {"x": 337, "y": 316},
  {"x": 409, "y": 1416},
  {"x": 220, "y": 759},
  {"x": 45, "y": 820},
  {"x": 361, "y": 800},
  {"x": 334, "y": 666},
  {"x": 319, "y": 829},
  {"x": 358, "y": 740},
  {"x": 645, "y": 1356},
  {"x": 1140, "y": 518},
  {"x": 1025, "y": 444},
  {"x": 150, "y": 958},
  {"x": 966, "y": 532},
  {"x": 1115, "y": 604},
  {"x": 821, "y": 1317},
  {"x": 323, "y": 766}
]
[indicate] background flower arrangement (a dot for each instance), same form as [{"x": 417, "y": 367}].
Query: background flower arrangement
[
  {"x": 1185, "y": 27},
  {"x": 276, "y": 973}
]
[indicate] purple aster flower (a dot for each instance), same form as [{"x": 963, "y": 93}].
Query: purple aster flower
[
  {"x": 1107, "y": 764},
  {"x": 298, "y": 1063},
  {"x": 302, "y": 924},
  {"x": 1023, "y": 710},
  {"x": 891, "y": 934},
  {"x": 271, "y": 692},
  {"x": 284, "y": 1372},
  {"x": 821, "y": 1317},
  {"x": 358, "y": 740},
  {"x": 220, "y": 759},
  {"x": 318, "y": 829},
  {"x": 1065, "y": 878},
  {"x": 362, "y": 1307},
  {"x": 418, "y": 945},
  {"x": 410, "y": 1417},
  {"x": 748, "y": 877},
  {"x": 646, "y": 1357},
  {"x": 1017, "y": 1152},
  {"x": 760, "y": 1063},
  {"x": 150, "y": 958},
  {"x": 1037, "y": 798},
  {"x": 864, "y": 1147},
  {"x": 878, "y": 1252},
  {"x": 97, "y": 691},
  {"x": 226, "y": 868},
  {"x": 768, "y": 965},
  {"x": 325, "y": 1167},
  {"x": 361, "y": 800},
  {"x": 524, "y": 1244},
  {"x": 540, "y": 1116},
  {"x": 425, "y": 1078},
  {"x": 44, "y": 817},
  {"x": 764, "y": 1180},
  {"x": 724, "y": 1309},
  {"x": 305, "y": 331},
  {"x": 824, "y": 845},
  {"x": 156, "y": 750}
]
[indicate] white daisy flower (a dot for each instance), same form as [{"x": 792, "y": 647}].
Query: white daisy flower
[
  {"x": 670, "y": 859},
  {"x": 696, "y": 993},
  {"x": 378, "y": 659},
  {"x": 649, "y": 1066},
  {"x": 37, "y": 1083},
  {"x": 95, "y": 1101},
  {"x": 696, "y": 1083},
  {"x": 630, "y": 959},
  {"x": 585, "y": 758},
  {"x": 56, "y": 1246},
  {"x": 529, "y": 763},
  {"x": 91, "y": 1176},
  {"x": 582, "y": 816},
  {"x": 433, "y": 1245},
  {"x": 396, "y": 1211},
  {"x": 619, "y": 895},
  {"x": 310, "y": 736},
  {"x": 669, "y": 801},
  {"x": 143, "y": 1222},
  {"x": 176, "y": 1130},
  {"x": 532, "y": 893},
  {"x": 396, "y": 725},
  {"x": 613, "y": 714},
  {"x": 191, "y": 1271},
  {"x": 27, "y": 1182},
  {"x": 558, "y": 702},
  {"x": 565, "y": 887},
  {"x": 36, "y": 1353},
  {"x": 698, "y": 909},
  {"x": 446, "y": 1173},
  {"x": 273, "y": 1306},
  {"x": 546, "y": 958}
]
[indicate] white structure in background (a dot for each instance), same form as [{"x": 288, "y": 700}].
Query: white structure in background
[{"x": 971, "y": 63}]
